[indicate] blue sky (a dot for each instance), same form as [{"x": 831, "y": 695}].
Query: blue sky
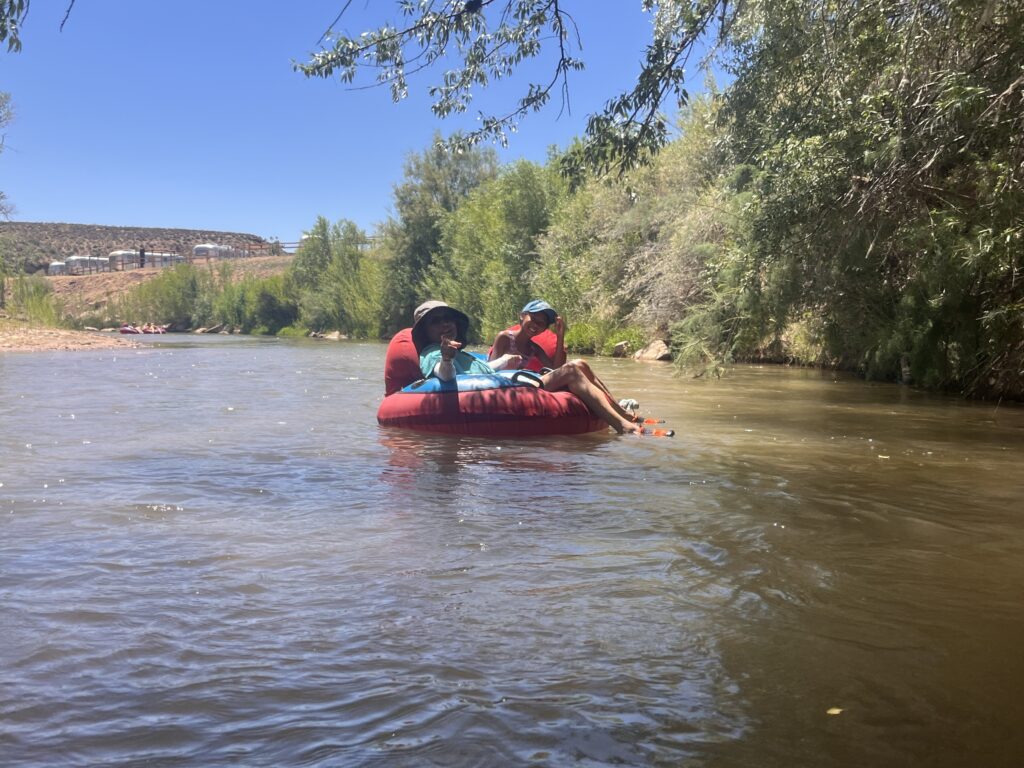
[{"x": 189, "y": 114}]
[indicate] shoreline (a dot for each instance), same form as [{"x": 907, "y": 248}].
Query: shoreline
[{"x": 23, "y": 338}]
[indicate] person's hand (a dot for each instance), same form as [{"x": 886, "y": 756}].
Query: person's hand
[
  {"x": 559, "y": 326},
  {"x": 506, "y": 362},
  {"x": 448, "y": 348}
]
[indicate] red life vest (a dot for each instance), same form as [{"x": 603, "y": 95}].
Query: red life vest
[{"x": 546, "y": 340}]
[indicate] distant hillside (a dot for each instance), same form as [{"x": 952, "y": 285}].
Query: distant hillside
[{"x": 33, "y": 245}]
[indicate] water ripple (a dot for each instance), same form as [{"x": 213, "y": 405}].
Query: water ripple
[{"x": 212, "y": 555}]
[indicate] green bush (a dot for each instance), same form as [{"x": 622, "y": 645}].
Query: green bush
[
  {"x": 232, "y": 305},
  {"x": 180, "y": 296},
  {"x": 274, "y": 308},
  {"x": 582, "y": 338},
  {"x": 32, "y": 297},
  {"x": 188, "y": 297}
]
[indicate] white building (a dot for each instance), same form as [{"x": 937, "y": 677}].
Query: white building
[
  {"x": 83, "y": 265},
  {"x": 214, "y": 251}
]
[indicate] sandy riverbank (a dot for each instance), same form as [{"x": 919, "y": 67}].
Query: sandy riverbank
[{"x": 20, "y": 338}]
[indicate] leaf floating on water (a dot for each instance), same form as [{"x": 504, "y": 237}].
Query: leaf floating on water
[{"x": 834, "y": 711}]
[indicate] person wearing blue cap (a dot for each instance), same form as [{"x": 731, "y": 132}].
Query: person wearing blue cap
[
  {"x": 556, "y": 373},
  {"x": 547, "y": 351}
]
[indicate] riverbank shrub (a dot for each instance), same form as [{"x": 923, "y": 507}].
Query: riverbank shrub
[
  {"x": 601, "y": 338},
  {"x": 293, "y": 332},
  {"x": 234, "y": 304},
  {"x": 582, "y": 338},
  {"x": 885, "y": 198},
  {"x": 338, "y": 282},
  {"x": 31, "y": 298},
  {"x": 180, "y": 296},
  {"x": 274, "y": 306}
]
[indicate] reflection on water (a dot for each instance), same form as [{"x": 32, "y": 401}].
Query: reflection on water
[{"x": 210, "y": 553}]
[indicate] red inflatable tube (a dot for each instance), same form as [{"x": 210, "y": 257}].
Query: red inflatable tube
[
  {"x": 500, "y": 412},
  {"x": 509, "y": 412}
]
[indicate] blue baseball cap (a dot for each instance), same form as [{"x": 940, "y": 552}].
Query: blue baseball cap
[{"x": 539, "y": 306}]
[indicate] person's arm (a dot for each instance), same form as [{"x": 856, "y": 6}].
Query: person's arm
[
  {"x": 500, "y": 358},
  {"x": 445, "y": 368},
  {"x": 546, "y": 360},
  {"x": 499, "y": 347},
  {"x": 559, "y": 359},
  {"x": 506, "y": 362}
]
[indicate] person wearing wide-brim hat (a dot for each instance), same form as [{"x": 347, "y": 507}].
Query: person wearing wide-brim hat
[
  {"x": 431, "y": 312},
  {"x": 439, "y": 333}
]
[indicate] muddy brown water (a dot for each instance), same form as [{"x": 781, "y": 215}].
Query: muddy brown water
[{"x": 210, "y": 554}]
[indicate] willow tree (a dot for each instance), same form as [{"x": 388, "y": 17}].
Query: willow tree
[
  {"x": 339, "y": 285},
  {"x": 12, "y": 14},
  {"x": 489, "y": 246},
  {"x": 478, "y": 42},
  {"x": 887, "y": 142},
  {"x": 12, "y": 17}
]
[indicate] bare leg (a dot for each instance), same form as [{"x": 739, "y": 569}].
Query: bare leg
[
  {"x": 571, "y": 377},
  {"x": 587, "y": 371}
]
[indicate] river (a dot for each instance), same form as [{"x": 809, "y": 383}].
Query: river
[{"x": 210, "y": 554}]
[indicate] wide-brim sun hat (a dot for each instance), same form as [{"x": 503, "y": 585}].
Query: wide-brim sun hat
[
  {"x": 421, "y": 315},
  {"x": 540, "y": 307}
]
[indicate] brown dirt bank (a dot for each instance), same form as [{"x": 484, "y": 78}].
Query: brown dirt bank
[{"x": 15, "y": 337}]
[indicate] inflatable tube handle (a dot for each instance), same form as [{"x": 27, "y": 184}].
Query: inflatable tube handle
[{"x": 530, "y": 378}]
